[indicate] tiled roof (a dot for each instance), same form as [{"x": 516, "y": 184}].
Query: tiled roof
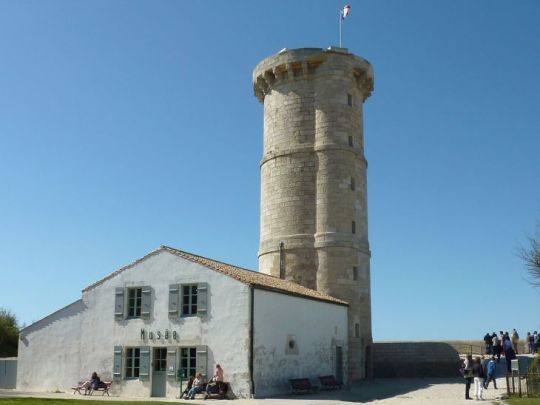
[
  {"x": 245, "y": 276},
  {"x": 255, "y": 278}
]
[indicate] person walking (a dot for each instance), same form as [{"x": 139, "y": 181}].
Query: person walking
[
  {"x": 468, "y": 375},
  {"x": 479, "y": 375},
  {"x": 491, "y": 368}
]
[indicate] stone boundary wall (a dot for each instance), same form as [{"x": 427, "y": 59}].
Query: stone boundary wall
[
  {"x": 414, "y": 359},
  {"x": 8, "y": 372}
]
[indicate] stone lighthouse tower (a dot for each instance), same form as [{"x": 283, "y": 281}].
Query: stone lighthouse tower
[{"x": 314, "y": 227}]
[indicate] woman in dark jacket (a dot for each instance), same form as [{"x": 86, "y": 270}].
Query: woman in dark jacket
[{"x": 93, "y": 384}]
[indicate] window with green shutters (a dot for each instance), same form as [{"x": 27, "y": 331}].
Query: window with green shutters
[
  {"x": 189, "y": 300},
  {"x": 188, "y": 360},
  {"x": 134, "y": 302},
  {"x": 133, "y": 362}
]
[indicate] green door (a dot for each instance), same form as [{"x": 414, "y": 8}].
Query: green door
[{"x": 159, "y": 372}]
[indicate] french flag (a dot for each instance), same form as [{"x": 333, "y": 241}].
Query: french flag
[{"x": 345, "y": 12}]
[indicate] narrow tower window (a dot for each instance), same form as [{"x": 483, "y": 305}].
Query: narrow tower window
[
  {"x": 353, "y": 186},
  {"x": 351, "y": 141},
  {"x": 356, "y": 330},
  {"x": 355, "y": 273},
  {"x": 353, "y": 227},
  {"x": 349, "y": 99}
]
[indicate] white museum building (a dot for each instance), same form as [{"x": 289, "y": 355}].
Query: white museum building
[{"x": 172, "y": 313}]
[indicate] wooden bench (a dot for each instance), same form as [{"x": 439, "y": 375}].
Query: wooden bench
[
  {"x": 81, "y": 385},
  {"x": 85, "y": 385},
  {"x": 301, "y": 385},
  {"x": 220, "y": 392},
  {"x": 103, "y": 386},
  {"x": 329, "y": 382}
]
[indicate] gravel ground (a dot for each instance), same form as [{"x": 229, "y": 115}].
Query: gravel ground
[{"x": 418, "y": 391}]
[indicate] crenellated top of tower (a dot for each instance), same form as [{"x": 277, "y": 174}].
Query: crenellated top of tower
[{"x": 302, "y": 64}]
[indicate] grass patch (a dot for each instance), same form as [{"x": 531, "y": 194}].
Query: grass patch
[
  {"x": 55, "y": 401},
  {"x": 523, "y": 401}
]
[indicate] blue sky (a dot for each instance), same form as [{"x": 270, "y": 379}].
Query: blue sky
[{"x": 125, "y": 125}]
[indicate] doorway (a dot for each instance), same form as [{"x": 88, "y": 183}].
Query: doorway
[
  {"x": 159, "y": 372},
  {"x": 339, "y": 364}
]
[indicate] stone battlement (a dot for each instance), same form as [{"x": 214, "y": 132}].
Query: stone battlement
[{"x": 293, "y": 64}]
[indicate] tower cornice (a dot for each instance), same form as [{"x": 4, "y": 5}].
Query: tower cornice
[{"x": 301, "y": 64}]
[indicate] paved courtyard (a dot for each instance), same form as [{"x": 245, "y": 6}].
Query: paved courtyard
[{"x": 421, "y": 391}]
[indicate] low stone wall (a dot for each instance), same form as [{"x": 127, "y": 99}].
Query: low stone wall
[
  {"x": 8, "y": 372},
  {"x": 414, "y": 359}
]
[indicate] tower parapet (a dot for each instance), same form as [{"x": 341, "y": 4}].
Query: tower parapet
[
  {"x": 313, "y": 179},
  {"x": 289, "y": 64}
]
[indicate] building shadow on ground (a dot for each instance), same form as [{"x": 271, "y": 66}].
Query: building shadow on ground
[{"x": 377, "y": 389}]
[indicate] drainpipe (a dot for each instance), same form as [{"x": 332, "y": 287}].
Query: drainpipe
[
  {"x": 251, "y": 360},
  {"x": 281, "y": 260}
]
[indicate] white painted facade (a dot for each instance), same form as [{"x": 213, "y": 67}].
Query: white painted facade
[
  {"x": 68, "y": 345},
  {"x": 316, "y": 329}
]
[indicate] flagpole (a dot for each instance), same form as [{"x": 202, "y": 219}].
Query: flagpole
[{"x": 340, "y": 20}]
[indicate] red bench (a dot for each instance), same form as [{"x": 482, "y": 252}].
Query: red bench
[
  {"x": 329, "y": 382},
  {"x": 301, "y": 385}
]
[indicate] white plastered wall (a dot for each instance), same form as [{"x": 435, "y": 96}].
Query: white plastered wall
[
  {"x": 69, "y": 345},
  {"x": 316, "y": 327}
]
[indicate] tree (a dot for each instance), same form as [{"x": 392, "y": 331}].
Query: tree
[
  {"x": 530, "y": 254},
  {"x": 9, "y": 334}
]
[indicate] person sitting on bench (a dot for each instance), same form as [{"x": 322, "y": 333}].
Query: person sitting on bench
[
  {"x": 189, "y": 386},
  {"x": 198, "y": 386},
  {"x": 214, "y": 386},
  {"x": 93, "y": 384}
]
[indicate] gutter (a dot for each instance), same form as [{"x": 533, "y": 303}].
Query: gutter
[{"x": 251, "y": 343}]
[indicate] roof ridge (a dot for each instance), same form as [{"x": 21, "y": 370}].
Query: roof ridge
[
  {"x": 219, "y": 261},
  {"x": 207, "y": 258},
  {"x": 241, "y": 274}
]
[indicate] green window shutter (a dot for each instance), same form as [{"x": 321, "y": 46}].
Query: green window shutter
[
  {"x": 119, "y": 303},
  {"x": 202, "y": 299},
  {"x": 146, "y": 302},
  {"x": 171, "y": 362},
  {"x": 144, "y": 370},
  {"x": 201, "y": 359},
  {"x": 173, "y": 300},
  {"x": 117, "y": 363}
]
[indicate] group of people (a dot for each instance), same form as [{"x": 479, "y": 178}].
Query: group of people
[
  {"x": 495, "y": 343},
  {"x": 479, "y": 372},
  {"x": 502, "y": 344},
  {"x": 197, "y": 384}
]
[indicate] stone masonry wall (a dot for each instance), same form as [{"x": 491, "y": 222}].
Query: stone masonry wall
[
  {"x": 414, "y": 359},
  {"x": 313, "y": 180}
]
